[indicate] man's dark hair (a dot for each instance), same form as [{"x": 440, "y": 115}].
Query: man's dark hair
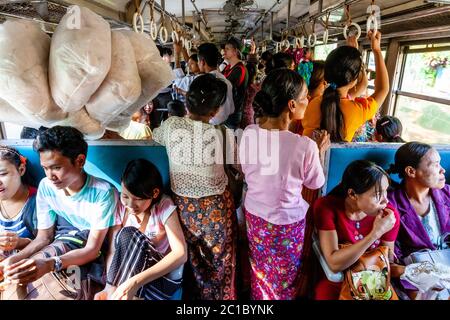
[
  {"x": 209, "y": 53},
  {"x": 67, "y": 140},
  {"x": 176, "y": 108},
  {"x": 194, "y": 57},
  {"x": 235, "y": 43},
  {"x": 163, "y": 51}
]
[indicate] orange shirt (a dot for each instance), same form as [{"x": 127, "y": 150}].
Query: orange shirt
[{"x": 355, "y": 113}]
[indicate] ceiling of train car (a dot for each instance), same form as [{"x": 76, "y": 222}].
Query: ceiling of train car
[{"x": 243, "y": 17}]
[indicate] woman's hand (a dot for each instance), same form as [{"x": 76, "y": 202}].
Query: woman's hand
[
  {"x": 384, "y": 222},
  {"x": 126, "y": 291},
  {"x": 8, "y": 240},
  {"x": 375, "y": 40},
  {"x": 253, "y": 47},
  {"x": 352, "y": 41},
  {"x": 322, "y": 138}
]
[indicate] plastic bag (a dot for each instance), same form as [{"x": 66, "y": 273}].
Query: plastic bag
[
  {"x": 154, "y": 72},
  {"x": 24, "y": 51},
  {"x": 80, "y": 58},
  {"x": 122, "y": 86},
  {"x": 430, "y": 279},
  {"x": 9, "y": 114}
]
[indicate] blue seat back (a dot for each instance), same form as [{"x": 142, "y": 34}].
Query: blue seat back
[
  {"x": 106, "y": 159},
  {"x": 341, "y": 155}
]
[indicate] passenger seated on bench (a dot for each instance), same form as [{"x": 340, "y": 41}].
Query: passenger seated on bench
[
  {"x": 389, "y": 129},
  {"x": 17, "y": 202},
  {"x": 335, "y": 112},
  {"x": 355, "y": 212},
  {"x": 274, "y": 208},
  {"x": 74, "y": 210},
  {"x": 422, "y": 199},
  {"x": 149, "y": 247}
]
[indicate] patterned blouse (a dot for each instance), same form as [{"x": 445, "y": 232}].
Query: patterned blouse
[{"x": 194, "y": 170}]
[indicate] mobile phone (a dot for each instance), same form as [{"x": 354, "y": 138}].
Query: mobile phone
[{"x": 247, "y": 42}]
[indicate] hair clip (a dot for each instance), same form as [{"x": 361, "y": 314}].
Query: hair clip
[
  {"x": 333, "y": 85},
  {"x": 384, "y": 123},
  {"x": 23, "y": 160}
]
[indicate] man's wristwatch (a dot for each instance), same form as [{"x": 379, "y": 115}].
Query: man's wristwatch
[{"x": 58, "y": 264}]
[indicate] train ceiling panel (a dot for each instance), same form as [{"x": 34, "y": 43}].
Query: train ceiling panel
[{"x": 243, "y": 17}]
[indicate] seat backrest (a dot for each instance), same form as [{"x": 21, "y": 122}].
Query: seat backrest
[
  {"x": 341, "y": 155},
  {"x": 106, "y": 159}
]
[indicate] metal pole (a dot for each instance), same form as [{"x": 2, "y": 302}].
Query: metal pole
[
  {"x": 262, "y": 30},
  {"x": 183, "y": 13},
  {"x": 288, "y": 14},
  {"x": 271, "y": 25}
]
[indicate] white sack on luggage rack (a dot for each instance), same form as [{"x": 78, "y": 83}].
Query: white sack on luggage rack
[
  {"x": 154, "y": 72},
  {"x": 122, "y": 86},
  {"x": 80, "y": 58},
  {"x": 24, "y": 51},
  {"x": 81, "y": 120},
  {"x": 9, "y": 114}
]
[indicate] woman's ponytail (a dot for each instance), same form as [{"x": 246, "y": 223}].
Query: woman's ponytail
[{"x": 332, "y": 118}]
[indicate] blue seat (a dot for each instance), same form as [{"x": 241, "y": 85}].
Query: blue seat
[
  {"x": 341, "y": 155},
  {"x": 105, "y": 159}
]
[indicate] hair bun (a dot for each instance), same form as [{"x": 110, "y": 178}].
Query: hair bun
[{"x": 263, "y": 101}]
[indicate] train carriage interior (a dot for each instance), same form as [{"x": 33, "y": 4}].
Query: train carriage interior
[{"x": 131, "y": 80}]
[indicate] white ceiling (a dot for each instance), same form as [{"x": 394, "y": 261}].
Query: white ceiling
[
  {"x": 220, "y": 24},
  {"x": 174, "y": 6},
  {"x": 212, "y": 10}
]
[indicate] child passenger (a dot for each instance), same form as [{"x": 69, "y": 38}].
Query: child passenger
[{"x": 149, "y": 250}]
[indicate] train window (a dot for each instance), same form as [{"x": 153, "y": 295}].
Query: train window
[
  {"x": 428, "y": 73},
  {"x": 11, "y": 131},
  {"x": 423, "y": 120},
  {"x": 321, "y": 52},
  {"x": 423, "y": 99}
]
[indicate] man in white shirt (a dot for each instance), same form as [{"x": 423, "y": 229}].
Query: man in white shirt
[{"x": 208, "y": 60}]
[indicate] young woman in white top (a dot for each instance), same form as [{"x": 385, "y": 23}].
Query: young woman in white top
[{"x": 149, "y": 250}]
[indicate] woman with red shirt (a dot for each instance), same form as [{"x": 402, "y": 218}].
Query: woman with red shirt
[{"x": 356, "y": 212}]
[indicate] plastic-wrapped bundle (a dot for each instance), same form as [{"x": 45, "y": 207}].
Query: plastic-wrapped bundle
[
  {"x": 80, "y": 57},
  {"x": 24, "y": 51},
  {"x": 81, "y": 120},
  {"x": 154, "y": 72},
  {"x": 9, "y": 114},
  {"x": 122, "y": 86}
]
